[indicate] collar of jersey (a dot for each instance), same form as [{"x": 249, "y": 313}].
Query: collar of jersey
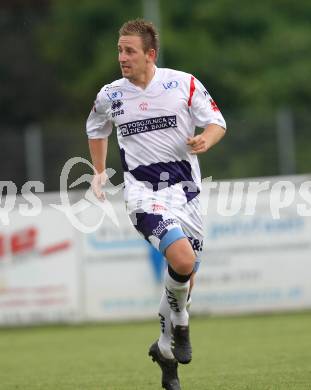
[{"x": 152, "y": 81}]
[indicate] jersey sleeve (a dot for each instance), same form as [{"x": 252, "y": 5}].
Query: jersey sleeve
[
  {"x": 98, "y": 124},
  {"x": 202, "y": 107}
]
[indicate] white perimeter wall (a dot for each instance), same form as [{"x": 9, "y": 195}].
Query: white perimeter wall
[{"x": 51, "y": 272}]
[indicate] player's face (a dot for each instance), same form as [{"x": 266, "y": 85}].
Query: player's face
[{"x": 132, "y": 58}]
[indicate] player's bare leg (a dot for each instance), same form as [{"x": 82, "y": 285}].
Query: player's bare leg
[{"x": 181, "y": 257}]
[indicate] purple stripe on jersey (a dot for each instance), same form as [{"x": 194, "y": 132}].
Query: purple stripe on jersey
[
  {"x": 191, "y": 192},
  {"x": 161, "y": 175},
  {"x": 146, "y": 223},
  {"x": 123, "y": 160}
]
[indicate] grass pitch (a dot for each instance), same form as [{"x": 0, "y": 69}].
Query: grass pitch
[{"x": 237, "y": 353}]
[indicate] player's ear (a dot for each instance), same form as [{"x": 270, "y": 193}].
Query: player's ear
[{"x": 152, "y": 55}]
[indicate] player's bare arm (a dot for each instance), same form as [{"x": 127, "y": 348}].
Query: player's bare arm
[
  {"x": 211, "y": 135},
  {"x": 98, "y": 151}
]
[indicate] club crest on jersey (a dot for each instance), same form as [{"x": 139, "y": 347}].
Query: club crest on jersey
[
  {"x": 143, "y": 106},
  {"x": 170, "y": 85}
]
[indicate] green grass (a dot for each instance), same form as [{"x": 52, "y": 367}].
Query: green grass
[{"x": 237, "y": 353}]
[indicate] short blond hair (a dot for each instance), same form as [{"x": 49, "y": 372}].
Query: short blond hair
[{"x": 144, "y": 29}]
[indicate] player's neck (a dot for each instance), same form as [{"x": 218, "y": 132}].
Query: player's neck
[{"x": 144, "y": 78}]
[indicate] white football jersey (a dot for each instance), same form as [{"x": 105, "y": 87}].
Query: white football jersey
[{"x": 153, "y": 126}]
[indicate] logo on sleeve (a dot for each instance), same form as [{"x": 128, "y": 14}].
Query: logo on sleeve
[
  {"x": 115, "y": 95},
  {"x": 116, "y": 105}
]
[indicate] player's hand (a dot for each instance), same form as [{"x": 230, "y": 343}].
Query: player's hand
[
  {"x": 198, "y": 144},
  {"x": 98, "y": 181}
]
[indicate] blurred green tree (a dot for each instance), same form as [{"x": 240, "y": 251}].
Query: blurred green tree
[
  {"x": 250, "y": 56},
  {"x": 27, "y": 83},
  {"x": 80, "y": 40},
  {"x": 253, "y": 58}
]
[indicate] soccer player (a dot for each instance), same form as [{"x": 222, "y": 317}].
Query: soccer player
[{"x": 155, "y": 112}]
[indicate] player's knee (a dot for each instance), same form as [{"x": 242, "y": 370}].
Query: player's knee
[
  {"x": 183, "y": 263},
  {"x": 181, "y": 256},
  {"x": 184, "y": 266},
  {"x": 177, "y": 276}
]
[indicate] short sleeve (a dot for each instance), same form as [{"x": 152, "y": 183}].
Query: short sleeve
[
  {"x": 98, "y": 124},
  {"x": 203, "y": 109}
]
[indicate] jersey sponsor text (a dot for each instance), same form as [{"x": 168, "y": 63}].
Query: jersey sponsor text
[{"x": 145, "y": 125}]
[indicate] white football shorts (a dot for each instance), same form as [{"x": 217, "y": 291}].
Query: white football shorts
[{"x": 161, "y": 225}]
